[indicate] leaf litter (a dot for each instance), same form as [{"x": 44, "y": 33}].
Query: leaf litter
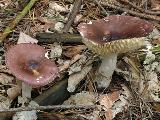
[{"x": 139, "y": 80}]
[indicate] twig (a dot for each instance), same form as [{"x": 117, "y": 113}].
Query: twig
[
  {"x": 57, "y": 37},
  {"x": 97, "y": 2},
  {"x": 12, "y": 25},
  {"x": 152, "y": 17},
  {"x": 53, "y": 107},
  {"x": 140, "y": 9},
  {"x": 72, "y": 15}
]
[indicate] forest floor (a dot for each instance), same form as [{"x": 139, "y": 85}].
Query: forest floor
[{"x": 134, "y": 90}]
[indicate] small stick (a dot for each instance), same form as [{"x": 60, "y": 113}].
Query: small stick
[
  {"x": 12, "y": 25},
  {"x": 53, "y": 107},
  {"x": 72, "y": 15},
  {"x": 140, "y": 9},
  {"x": 152, "y": 17},
  {"x": 58, "y": 37},
  {"x": 97, "y": 2}
]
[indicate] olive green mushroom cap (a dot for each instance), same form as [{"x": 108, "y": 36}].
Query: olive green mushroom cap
[{"x": 115, "y": 34}]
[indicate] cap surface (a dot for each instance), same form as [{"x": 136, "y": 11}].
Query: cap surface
[
  {"x": 28, "y": 63},
  {"x": 118, "y": 29}
]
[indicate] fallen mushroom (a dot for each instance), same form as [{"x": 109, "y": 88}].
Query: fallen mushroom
[
  {"x": 28, "y": 63},
  {"x": 112, "y": 35}
]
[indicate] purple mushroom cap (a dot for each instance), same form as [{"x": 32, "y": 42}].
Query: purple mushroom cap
[
  {"x": 115, "y": 29},
  {"x": 28, "y": 63}
]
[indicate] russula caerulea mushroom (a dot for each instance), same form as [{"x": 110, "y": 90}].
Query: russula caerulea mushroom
[
  {"x": 28, "y": 63},
  {"x": 112, "y": 35}
]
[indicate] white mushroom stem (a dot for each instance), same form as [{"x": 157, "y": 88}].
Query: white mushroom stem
[
  {"x": 106, "y": 70},
  {"x": 26, "y": 90}
]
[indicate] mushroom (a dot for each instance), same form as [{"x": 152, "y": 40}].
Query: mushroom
[
  {"x": 28, "y": 63},
  {"x": 112, "y": 35}
]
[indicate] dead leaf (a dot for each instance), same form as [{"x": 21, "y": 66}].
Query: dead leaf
[
  {"x": 13, "y": 92},
  {"x": 77, "y": 66},
  {"x": 46, "y": 20},
  {"x": 107, "y": 101},
  {"x": 156, "y": 41},
  {"x": 82, "y": 98},
  {"x": 49, "y": 23},
  {"x": 56, "y": 7},
  {"x": 155, "y": 5},
  {"x": 23, "y": 38},
  {"x": 67, "y": 63},
  {"x": 114, "y": 96},
  {"x": 78, "y": 18},
  {"x": 5, "y": 103},
  {"x": 156, "y": 106},
  {"x": 56, "y": 50},
  {"x": 74, "y": 79},
  {"x": 109, "y": 115},
  {"x": 74, "y": 69},
  {"x": 4, "y": 69},
  {"x": 47, "y": 26},
  {"x": 37, "y": 28},
  {"x": 71, "y": 51},
  {"x": 5, "y": 79}
]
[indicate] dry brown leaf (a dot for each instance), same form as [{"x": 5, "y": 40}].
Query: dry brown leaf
[
  {"x": 156, "y": 41},
  {"x": 114, "y": 96},
  {"x": 109, "y": 115},
  {"x": 48, "y": 23},
  {"x": 90, "y": 77},
  {"x": 155, "y": 4},
  {"x": 4, "y": 69},
  {"x": 23, "y": 38},
  {"x": 156, "y": 106},
  {"x": 74, "y": 79},
  {"x": 78, "y": 18},
  {"x": 107, "y": 101},
  {"x": 47, "y": 26},
  {"x": 37, "y": 28},
  {"x": 13, "y": 92},
  {"x": 71, "y": 51},
  {"x": 82, "y": 98},
  {"x": 5, "y": 79},
  {"x": 45, "y": 20},
  {"x": 67, "y": 64}
]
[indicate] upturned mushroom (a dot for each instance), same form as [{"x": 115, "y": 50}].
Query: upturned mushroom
[
  {"x": 28, "y": 63},
  {"x": 112, "y": 35}
]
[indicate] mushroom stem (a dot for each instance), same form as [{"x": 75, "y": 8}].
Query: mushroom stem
[
  {"x": 26, "y": 90},
  {"x": 106, "y": 69}
]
